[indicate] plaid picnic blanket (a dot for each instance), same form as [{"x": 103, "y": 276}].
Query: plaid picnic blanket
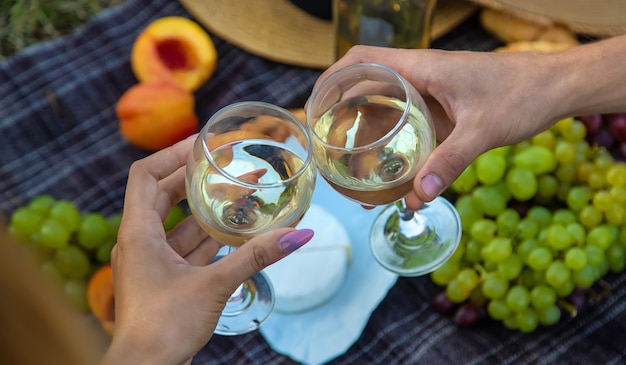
[{"x": 59, "y": 135}]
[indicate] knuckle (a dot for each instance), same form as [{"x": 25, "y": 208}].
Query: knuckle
[{"x": 260, "y": 258}]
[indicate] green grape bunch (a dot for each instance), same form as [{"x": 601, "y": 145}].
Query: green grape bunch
[
  {"x": 70, "y": 245},
  {"x": 543, "y": 221}
]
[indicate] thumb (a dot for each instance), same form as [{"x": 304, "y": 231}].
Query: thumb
[
  {"x": 446, "y": 162},
  {"x": 260, "y": 252}
]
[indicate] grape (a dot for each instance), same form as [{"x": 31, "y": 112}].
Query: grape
[
  {"x": 595, "y": 255},
  {"x": 72, "y": 262},
  {"x": 592, "y": 122},
  {"x": 617, "y": 126},
  {"x": 446, "y": 272},
  {"x": 527, "y": 320},
  {"x": 578, "y": 197},
  {"x": 41, "y": 204},
  {"x": 103, "y": 252},
  {"x": 490, "y": 167},
  {"x": 602, "y": 200},
  {"x": 549, "y": 316},
  {"x": 26, "y": 222},
  {"x": 565, "y": 152},
  {"x": 466, "y": 181},
  {"x": 66, "y": 213},
  {"x": 616, "y": 175},
  {"x": 518, "y": 298},
  {"x": 497, "y": 249},
  {"x": 522, "y": 183},
  {"x": 563, "y": 216},
  {"x": 603, "y": 138},
  {"x": 616, "y": 258},
  {"x": 495, "y": 287},
  {"x": 578, "y": 298},
  {"x": 541, "y": 215},
  {"x": 547, "y": 187},
  {"x": 537, "y": 159},
  {"x": 455, "y": 293},
  {"x": 589, "y": 216},
  {"x": 489, "y": 200},
  {"x": 175, "y": 216},
  {"x": 615, "y": 214},
  {"x": 77, "y": 292},
  {"x": 511, "y": 267},
  {"x": 540, "y": 258},
  {"x": 498, "y": 310},
  {"x": 527, "y": 228},
  {"x": 559, "y": 237},
  {"x": 507, "y": 222},
  {"x": 467, "y": 279},
  {"x": 467, "y": 315},
  {"x": 546, "y": 139},
  {"x": 483, "y": 230},
  {"x": 585, "y": 277},
  {"x": 525, "y": 247},
  {"x": 468, "y": 210},
  {"x": 600, "y": 236},
  {"x": 542, "y": 296},
  {"x": 558, "y": 274},
  {"x": 576, "y": 258},
  {"x": 442, "y": 304},
  {"x": 53, "y": 234},
  {"x": 93, "y": 231}
]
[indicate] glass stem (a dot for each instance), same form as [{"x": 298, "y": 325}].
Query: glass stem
[{"x": 410, "y": 231}]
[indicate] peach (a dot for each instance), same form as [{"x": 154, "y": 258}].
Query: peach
[
  {"x": 100, "y": 297},
  {"x": 155, "y": 115},
  {"x": 175, "y": 49}
]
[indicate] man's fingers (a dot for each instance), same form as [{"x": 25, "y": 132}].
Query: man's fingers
[{"x": 446, "y": 163}]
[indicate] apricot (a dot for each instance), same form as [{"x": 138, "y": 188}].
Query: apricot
[
  {"x": 175, "y": 49},
  {"x": 100, "y": 297},
  {"x": 155, "y": 115}
]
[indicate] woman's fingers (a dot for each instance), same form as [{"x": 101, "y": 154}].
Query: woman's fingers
[
  {"x": 186, "y": 236},
  {"x": 260, "y": 252},
  {"x": 142, "y": 189}
]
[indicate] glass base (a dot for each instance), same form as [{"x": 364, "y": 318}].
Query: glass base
[
  {"x": 418, "y": 243},
  {"x": 248, "y": 307}
]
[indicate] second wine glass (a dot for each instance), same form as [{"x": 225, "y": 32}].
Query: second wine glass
[
  {"x": 372, "y": 132},
  {"x": 250, "y": 172}
]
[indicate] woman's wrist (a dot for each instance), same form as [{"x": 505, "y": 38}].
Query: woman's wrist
[{"x": 132, "y": 350}]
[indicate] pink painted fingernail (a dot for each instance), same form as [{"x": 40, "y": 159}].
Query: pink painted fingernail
[
  {"x": 432, "y": 185},
  {"x": 295, "y": 239},
  {"x": 193, "y": 136}
]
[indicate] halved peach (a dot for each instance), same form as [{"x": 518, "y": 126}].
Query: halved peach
[
  {"x": 155, "y": 115},
  {"x": 100, "y": 297},
  {"x": 175, "y": 49}
]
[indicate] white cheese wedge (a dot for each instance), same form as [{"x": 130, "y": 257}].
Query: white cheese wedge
[{"x": 313, "y": 274}]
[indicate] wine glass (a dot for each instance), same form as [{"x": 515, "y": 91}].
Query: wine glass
[
  {"x": 250, "y": 171},
  {"x": 371, "y": 133}
]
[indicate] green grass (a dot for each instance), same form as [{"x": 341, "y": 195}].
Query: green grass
[{"x": 25, "y": 22}]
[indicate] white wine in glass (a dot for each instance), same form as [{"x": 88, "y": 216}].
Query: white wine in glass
[
  {"x": 250, "y": 172},
  {"x": 372, "y": 132}
]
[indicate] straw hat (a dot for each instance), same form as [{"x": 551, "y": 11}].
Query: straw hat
[
  {"x": 283, "y": 32},
  {"x": 593, "y": 17}
]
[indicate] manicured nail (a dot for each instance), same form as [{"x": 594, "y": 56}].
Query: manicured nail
[
  {"x": 295, "y": 239},
  {"x": 193, "y": 135},
  {"x": 432, "y": 185}
]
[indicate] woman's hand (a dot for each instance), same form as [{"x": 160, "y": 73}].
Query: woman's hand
[{"x": 168, "y": 297}]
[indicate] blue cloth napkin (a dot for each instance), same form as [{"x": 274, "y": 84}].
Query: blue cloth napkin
[{"x": 321, "y": 334}]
